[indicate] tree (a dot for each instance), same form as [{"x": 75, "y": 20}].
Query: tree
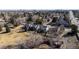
[
  {"x": 75, "y": 30},
  {"x": 7, "y": 28},
  {"x": 12, "y": 20},
  {"x": 39, "y": 21},
  {"x": 0, "y": 28},
  {"x": 29, "y": 19},
  {"x": 2, "y": 14}
]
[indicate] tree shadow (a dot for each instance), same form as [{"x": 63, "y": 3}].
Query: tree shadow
[{"x": 69, "y": 34}]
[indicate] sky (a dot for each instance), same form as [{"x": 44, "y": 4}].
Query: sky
[{"x": 39, "y": 4}]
